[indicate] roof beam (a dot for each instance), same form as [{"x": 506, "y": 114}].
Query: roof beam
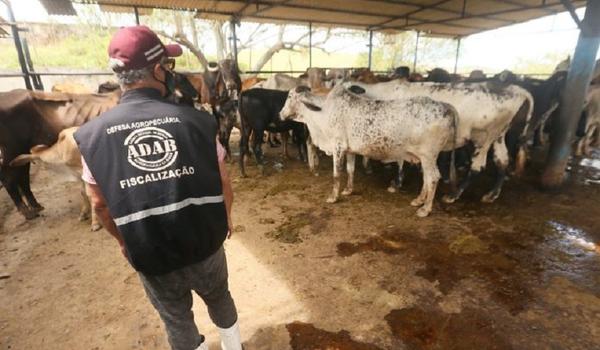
[
  {"x": 407, "y": 15},
  {"x": 521, "y": 5},
  {"x": 438, "y": 9},
  {"x": 569, "y": 6},
  {"x": 444, "y": 21}
]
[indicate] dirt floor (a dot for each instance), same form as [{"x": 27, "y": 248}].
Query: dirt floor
[{"x": 365, "y": 273}]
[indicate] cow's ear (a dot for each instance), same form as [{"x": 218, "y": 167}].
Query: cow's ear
[
  {"x": 357, "y": 89},
  {"x": 302, "y": 88},
  {"x": 312, "y": 107}
]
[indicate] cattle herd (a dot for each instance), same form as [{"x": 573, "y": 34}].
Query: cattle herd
[{"x": 442, "y": 121}]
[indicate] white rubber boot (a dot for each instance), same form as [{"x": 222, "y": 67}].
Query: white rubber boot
[
  {"x": 231, "y": 338},
  {"x": 203, "y": 346}
]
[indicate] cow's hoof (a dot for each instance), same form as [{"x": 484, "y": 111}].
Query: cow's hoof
[
  {"x": 37, "y": 208},
  {"x": 315, "y": 173},
  {"x": 83, "y": 217},
  {"x": 447, "y": 198},
  {"x": 392, "y": 189},
  {"x": 30, "y": 214},
  {"x": 95, "y": 227},
  {"x": 346, "y": 192},
  {"x": 417, "y": 202},
  {"x": 331, "y": 200},
  {"x": 423, "y": 212},
  {"x": 490, "y": 197}
]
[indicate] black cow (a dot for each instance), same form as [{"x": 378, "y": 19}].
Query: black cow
[{"x": 259, "y": 112}]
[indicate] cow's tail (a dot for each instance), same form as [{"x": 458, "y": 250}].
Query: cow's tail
[
  {"x": 453, "y": 176},
  {"x": 521, "y": 158}
]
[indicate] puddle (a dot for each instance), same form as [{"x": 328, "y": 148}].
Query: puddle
[
  {"x": 424, "y": 329},
  {"x": 590, "y": 163},
  {"x": 290, "y": 230},
  {"x": 448, "y": 261},
  {"x": 305, "y": 336},
  {"x": 574, "y": 240}
]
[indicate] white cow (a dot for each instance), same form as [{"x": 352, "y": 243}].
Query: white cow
[
  {"x": 281, "y": 82},
  {"x": 344, "y": 124},
  {"x": 64, "y": 158},
  {"x": 591, "y": 109},
  {"x": 485, "y": 112}
]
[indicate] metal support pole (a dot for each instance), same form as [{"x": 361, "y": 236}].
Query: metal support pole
[
  {"x": 578, "y": 80},
  {"x": 35, "y": 79},
  {"x": 310, "y": 44},
  {"x": 457, "y": 54},
  {"x": 234, "y": 38},
  {"x": 370, "y": 48},
  {"x": 136, "y": 11},
  {"x": 18, "y": 46},
  {"x": 416, "y": 52}
]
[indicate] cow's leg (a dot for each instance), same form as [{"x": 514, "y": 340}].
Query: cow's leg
[
  {"x": 257, "y": 149},
  {"x": 588, "y": 140},
  {"x": 313, "y": 159},
  {"x": 25, "y": 187},
  {"x": 477, "y": 165},
  {"x": 86, "y": 207},
  {"x": 284, "y": 139},
  {"x": 431, "y": 177},
  {"x": 396, "y": 183},
  {"x": 367, "y": 165},
  {"x": 501, "y": 161},
  {"x": 338, "y": 158},
  {"x": 10, "y": 180},
  {"x": 350, "y": 160},
  {"x": 244, "y": 138}
]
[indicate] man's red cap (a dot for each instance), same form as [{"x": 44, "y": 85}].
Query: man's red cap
[{"x": 138, "y": 47}]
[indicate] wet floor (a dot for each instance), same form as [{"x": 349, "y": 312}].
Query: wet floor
[{"x": 520, "y": 252}]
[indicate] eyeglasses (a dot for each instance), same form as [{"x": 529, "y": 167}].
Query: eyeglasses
[{"x": 168, "y": 64}]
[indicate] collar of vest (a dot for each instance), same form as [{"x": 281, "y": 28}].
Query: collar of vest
[{"x": 141, "y": 94}]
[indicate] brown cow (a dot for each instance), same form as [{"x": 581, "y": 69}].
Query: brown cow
[
  {"x": 250, "y": 82},
  {"x": 29, "y": 118},
  {"x": 64, "y": 156}
]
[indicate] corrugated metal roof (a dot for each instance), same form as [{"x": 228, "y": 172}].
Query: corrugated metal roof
[
  {"x": 59, "y": 7},
  {"x": 450, "y": 18}
]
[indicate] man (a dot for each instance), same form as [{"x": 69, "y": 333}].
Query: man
[{"x": 158, "y": 183}]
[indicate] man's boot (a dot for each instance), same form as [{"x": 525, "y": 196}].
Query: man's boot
[{"x": 231, "y": 338}]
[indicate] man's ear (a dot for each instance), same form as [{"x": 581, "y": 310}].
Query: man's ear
[
  {"x": 312, "y": 107},
  {"x": 158, "y": 72}
]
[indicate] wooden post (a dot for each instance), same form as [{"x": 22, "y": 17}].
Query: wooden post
[
  {"x": 370, "y": 48},
  {"x": 457, "y": 54},
  {"x": 416, "y": 52},
  {"x": 234, "y": 38},
  {"x": 578, "y": 80},
  {"x": 310, "y": 44},
  {"x": 137, "y": 15}
]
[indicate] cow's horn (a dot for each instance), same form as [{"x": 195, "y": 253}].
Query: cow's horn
[
  {"x": 21, "y": 160},
  {"x": 38, "y": 148},
  {"x": 302, "y": 88}
]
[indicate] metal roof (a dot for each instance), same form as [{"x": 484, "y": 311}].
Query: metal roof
[
  {"x": 59, "y": 7},
  {"x": 449, "y": 18}
]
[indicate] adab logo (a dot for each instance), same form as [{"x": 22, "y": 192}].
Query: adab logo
[{"x": 151, "y": 149}]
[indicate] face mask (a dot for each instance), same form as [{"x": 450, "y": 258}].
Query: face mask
[{"x": 169, "y": 82}]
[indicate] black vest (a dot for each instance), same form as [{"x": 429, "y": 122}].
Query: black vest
[{"x": 156, "y": 165}]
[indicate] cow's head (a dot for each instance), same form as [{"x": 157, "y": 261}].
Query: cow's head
[
  {"x": 227, "y": 116},
  {"x": 297, "y": 98},
  {"x": 231, "y": 77}
]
